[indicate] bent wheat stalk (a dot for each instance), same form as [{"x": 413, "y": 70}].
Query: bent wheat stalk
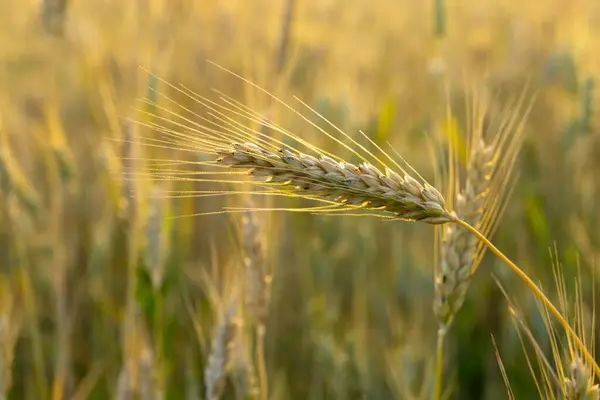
[
  {"x": 342, "y": 186},
  {"x": 537, "y": 292}
]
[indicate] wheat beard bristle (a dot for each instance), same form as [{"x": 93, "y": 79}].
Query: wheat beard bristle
[{"x": 363, "y": 186}]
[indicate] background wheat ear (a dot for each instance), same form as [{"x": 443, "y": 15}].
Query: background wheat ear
[
  {"x": 479, "y": 181},
  {"x": 139, "y": 374},
  {"x": 257, "y": 275},
  {"x": 221, "y": 353},
  {"x": 257, "y": 293},
  {"x": 225, "y": 350},
  {"x": 157, "y": 236}
]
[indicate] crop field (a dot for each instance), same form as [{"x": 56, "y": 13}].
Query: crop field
[{"x": 288, "y": 199}]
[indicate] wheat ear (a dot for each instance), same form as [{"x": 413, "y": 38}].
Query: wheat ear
[
  {"x": 257, "y": 292},
  {"x": 491, "y": 154},
  {"x": 459, "y": 248},
  {"x": 219, "y": 360},
  {"x": 459, "y": 251},
  {"x": 258, "y": 279},
  {"x": 362, "y": 186}
]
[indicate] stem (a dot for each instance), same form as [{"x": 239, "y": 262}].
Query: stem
[
  {"x": 260, "y": 359},
  {"x": 439, "y": 364},
  {"x": 538, "y": 294}
]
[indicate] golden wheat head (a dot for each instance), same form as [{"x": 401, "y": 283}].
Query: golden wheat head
[{"x": 223, "y": 137}]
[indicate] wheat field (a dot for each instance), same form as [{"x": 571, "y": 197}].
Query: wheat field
[{"x": 271, "y": 199}]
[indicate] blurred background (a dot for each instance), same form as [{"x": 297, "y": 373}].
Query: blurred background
[{"x": 103, "y": 295}]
